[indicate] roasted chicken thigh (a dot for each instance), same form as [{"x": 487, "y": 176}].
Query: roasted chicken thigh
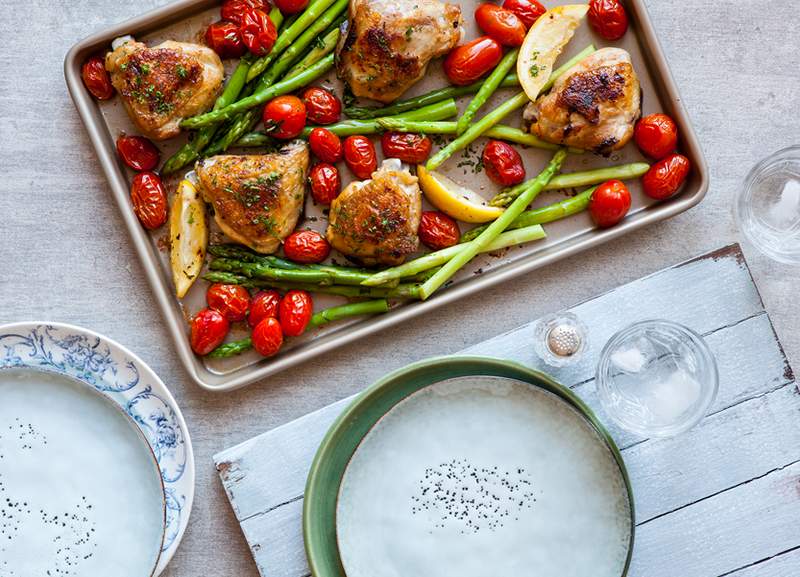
[
  {"x": 257, "y": 198},
  {"x": 161, "y": 86},
  {"x": 594, "y": 105},
  {"x": 375, "y": 221},
  {"x": 387, "y": 44}
]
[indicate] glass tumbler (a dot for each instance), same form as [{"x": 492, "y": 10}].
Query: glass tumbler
[{"x": 656, "y": 378}]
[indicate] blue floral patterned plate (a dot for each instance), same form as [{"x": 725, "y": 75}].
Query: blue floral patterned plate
[{"x": 123, "y": 377}]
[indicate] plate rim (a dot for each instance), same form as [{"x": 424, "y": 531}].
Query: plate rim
[
  {"x": 148, "y": 384},
  {"x": 320, "y": 496}
]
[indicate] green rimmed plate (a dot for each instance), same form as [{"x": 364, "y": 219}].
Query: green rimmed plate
[{"x": 468, "y": 465}]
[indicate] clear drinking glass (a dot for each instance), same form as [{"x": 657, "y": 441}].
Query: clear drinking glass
[
  {"x": 767, "y": 208},
  {"x": 657, "y": 378}
]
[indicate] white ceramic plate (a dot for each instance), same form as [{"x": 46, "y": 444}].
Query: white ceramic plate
[
  {"x": 477, "y": 476},
  {"x": 120, "y": 375},
  {"x": 82, "y": 492}
]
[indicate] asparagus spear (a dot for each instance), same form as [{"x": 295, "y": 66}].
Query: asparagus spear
[
  {"x": 488, "y": 88},
  {"x": 258, "y": 270},
  {"x": 324, "y": 47},
  {"x": 440, "y": 257},
  {"x": 499, "y": 131},
  {"x": 261, "y": 96},
  {"x": 576, "y": 179},
  {"x": 437, "y": 111},
  {"x": 543, "y": 215},
  {"x": 367, "y": 112},
  {"x": 192, "y": 149},
  {"x": 322, "y": 317},
  {"x": 494, "y": 117},
  {"x": 285, "y": 38},
  {"x": 494, "y": 229}
]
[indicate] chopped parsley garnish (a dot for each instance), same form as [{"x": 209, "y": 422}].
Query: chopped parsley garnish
[{"x": 181, "y": 71}]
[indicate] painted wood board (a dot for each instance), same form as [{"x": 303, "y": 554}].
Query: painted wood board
[{"x": 750, "y": 435}]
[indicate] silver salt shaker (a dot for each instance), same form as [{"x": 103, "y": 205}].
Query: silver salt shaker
[{"x": 560, "y": 339}]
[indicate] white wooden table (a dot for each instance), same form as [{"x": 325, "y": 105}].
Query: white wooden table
[
  {"x": 65, "y": 255},
  {"x": 718, "y": 500}
]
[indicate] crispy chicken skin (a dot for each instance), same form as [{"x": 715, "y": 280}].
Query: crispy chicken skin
[
  {"x": 257, "y": 198},
  {"x": 161, "y": 86},
  {"x": 387, "y": 44},
  {"x": 593, "y": 106},
  {"x": 375, "y": 221}
]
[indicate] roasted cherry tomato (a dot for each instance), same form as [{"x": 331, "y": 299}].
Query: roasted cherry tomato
[
  {"x": 503, "y": 164},
  {"x": 257, "y": 31},
  {"x": 608, "y": 18},
  {"x": 501, "y": 24},
  {"x": 360, "y": 157},
  {"x": 306, "y": 246},
  {"x": 149, "y": 199},
  {"x": 284, "y": 117},
  {"x": 263, "y": 304},
  {"x": 467, "y": 63},
  {"x": 267, "y": 337},
  {"x": 322, "y": 107},
  {"x": 609, "y": 203},
  {"x": 208, "y": 330},
  {"x": 138, "y": 152},
  {"x": 410, "y": 148},
  {"x": 325, "y": 183},
  {"x": 325, "y": 145},
  {"x": 295, "y": 312},
  {"x": 96, "y": 78},
  {"x": 526, "y": 10},
  {"x": 224, "y": 39},
  {"x": 666, "y": 176},
  {"x": 232, "y": 300},
  {"x": 656, "y": 135},
  {"x": 291, "y": 6},
  {"x": 234, "y": 10},
  {"x": 437, "y": 230}
]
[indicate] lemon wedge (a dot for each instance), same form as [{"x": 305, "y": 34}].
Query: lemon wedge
[
  {"x": 544, "y": 42},
  {"x": 453, "y": 199},
  {"x": 188, "y": 236}
]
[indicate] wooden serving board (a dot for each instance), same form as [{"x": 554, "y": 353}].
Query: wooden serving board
[{"x": 721, "y": 499}]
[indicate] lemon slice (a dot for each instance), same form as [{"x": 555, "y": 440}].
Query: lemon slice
[
  {"x": 543, "y": 43},
  {"x": 188, "y": 236},
  {"x": 453, "y": 199}
]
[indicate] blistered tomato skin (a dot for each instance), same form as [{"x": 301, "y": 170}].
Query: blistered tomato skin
[
  {"x": 306, "y": 246},
  {"x": 258, "y": 32},
  {"x": 360, "y": 156},
  {"x": 138, "y": 152},
  {"x": 325, "y": 145},
  {"x": 410, "y": 148},
  {"x": 503, "y": 164},
  {"x": 609, "y": 203},
  {"x": 322, "y": 107},
  {"x": 284, "y": 117},
  {"x": 656, "y": 135},
  {"x": 224, "y": 39},
  {"x": 295, "y": 312},
  {"x": 608, "y": 18},
  {"x": 231, "y": 300},
  {"x": 208, "y": 330},
  {"x": 267, "y": 337},
  {"x": 501, "y": 24},
  {"x": 528, "y": 11},
  {"x": 96, "y": 78},
  {"x": 149, "y": 199},
  {"x": 234, "y": 10},
  {"x": 291, "y": 6},
  {"x": 325, "y": 182},
  {"x": 467, "y": 63},
  {"x": 264, "y": 304},
  {"x": 437, "y": 230},
  {"x": 666, "y": 176}
]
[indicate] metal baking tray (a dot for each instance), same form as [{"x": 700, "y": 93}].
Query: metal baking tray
[{"x": 187, "y": 19}]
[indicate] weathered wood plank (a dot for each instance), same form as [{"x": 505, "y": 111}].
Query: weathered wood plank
[
  {"x": 783, "y": 565},
  {"x": 750, "y": 362},
  {"x": 727, "y": 531},
  {"x": 667, "y": 474}
]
